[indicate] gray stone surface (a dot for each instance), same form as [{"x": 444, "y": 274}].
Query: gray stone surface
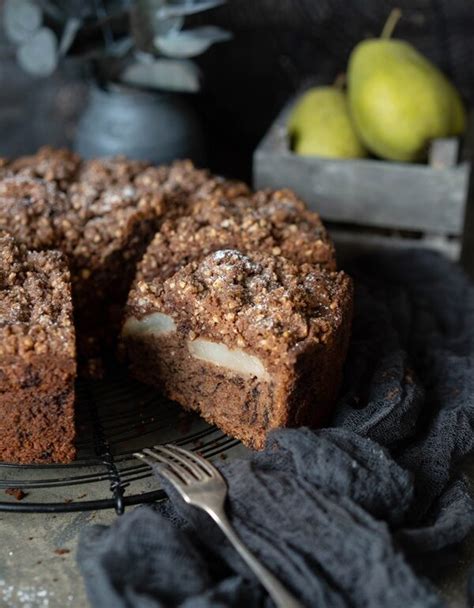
[{"x": 37, "y": 562}]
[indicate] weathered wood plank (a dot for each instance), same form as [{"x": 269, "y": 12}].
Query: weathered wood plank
[
  {"x": 444, "y": 153},
  {"x": 359, "y": 192}
]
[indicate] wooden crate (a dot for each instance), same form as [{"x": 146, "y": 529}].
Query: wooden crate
[{"x": 371, "y": 203}]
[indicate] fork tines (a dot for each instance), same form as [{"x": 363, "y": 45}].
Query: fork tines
[{"x": 187, "y": 466}]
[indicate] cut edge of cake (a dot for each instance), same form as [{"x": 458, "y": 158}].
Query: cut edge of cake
[{"x": 37, "y": 356}]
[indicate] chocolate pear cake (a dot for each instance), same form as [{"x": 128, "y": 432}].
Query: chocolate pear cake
[{"x": 224, "y": 283}]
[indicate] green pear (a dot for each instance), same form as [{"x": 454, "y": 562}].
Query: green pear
[
  {"x": 399, "y": 100},
  {"x": 320, "y": 125}
]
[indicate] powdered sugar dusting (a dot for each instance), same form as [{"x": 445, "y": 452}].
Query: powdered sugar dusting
[{"x": 29, "y": 596}]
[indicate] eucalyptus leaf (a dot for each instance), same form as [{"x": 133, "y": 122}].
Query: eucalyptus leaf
[
  {"x": 162, "y": 27},
  {"x": 189, "y": 43},
  {"x": 119, "y": 48},
  {"x": 21, "y": 18},
  {"x": 143, "y": 57},
  {"x": 186, "y": 8},
  {"x": 39, "y": 54},
  {"x": 164, "y": 74},
  {"x": 146, "y": 23},
  {"x": 69, "y": 33}
]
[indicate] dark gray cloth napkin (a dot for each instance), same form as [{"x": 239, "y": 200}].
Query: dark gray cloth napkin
[{"x": 346, "y": 516}]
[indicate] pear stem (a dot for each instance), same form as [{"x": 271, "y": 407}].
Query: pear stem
[
  {"x": 391, "y": 23},
  {"x": 340, "y": 81}
]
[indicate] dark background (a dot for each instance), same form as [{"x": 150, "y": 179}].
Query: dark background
[{"x": 279, "y": 46}]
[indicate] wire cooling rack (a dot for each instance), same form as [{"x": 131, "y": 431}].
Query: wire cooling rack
[{"x": 115, "y": 417}]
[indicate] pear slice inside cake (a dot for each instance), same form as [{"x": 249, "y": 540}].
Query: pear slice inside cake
[
  {"x": 159, "y": 324},
  {"x": 231, "y": 359}
]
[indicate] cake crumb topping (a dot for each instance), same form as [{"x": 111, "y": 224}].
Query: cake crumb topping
[
  {"x": 35, "y": 309},
  {"x": 183, "y": 186},
  {"x": 259, "y": 302},
  {"x": 54, "y": 165},
  {"x": 30, "y": 209},
  {"x": 275, "y": 222}
]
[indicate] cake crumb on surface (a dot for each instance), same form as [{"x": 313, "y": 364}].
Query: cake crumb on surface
[{"x": 16, "y": 493}]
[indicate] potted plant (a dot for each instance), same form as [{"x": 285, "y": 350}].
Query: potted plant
[{"x": 138, "y": 57}]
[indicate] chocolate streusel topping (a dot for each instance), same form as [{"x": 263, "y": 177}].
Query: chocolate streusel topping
[
  {"x": 103, "y": 203},
  {"x": 182, "y": 184},
  {"x": 88, "y": 210},
  {"x": 53, "y": 165},
  {"x": 35, "y": 303},
  {"x": 254, "y": 301},
  {"x": 275, "y": 222},
  {"x": 103, "y": 173},
  {"x": 31, "y": 209}
]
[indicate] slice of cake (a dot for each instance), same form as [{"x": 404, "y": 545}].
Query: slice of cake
[
  {"x": 37, "y": 356},
  {"x": 250, "y": 341},
  {"x": 275, "y": 222}
]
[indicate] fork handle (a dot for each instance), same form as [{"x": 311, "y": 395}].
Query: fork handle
[{"x": 279, "y": 594}]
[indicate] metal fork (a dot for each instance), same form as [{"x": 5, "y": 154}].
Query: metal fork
[{"x": 200, "y": 484}]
